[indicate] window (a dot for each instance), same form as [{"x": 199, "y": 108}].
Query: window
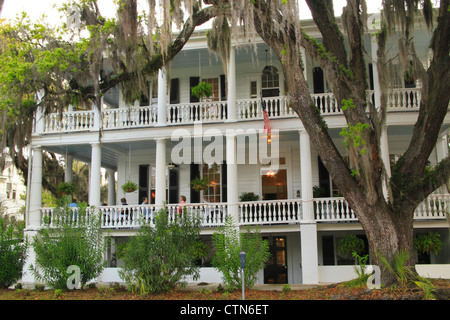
[
  {"x": 215, "y": 94},
  {"x": 212, "y": 173},
  {"x": 253, "y": 89},
  {"x": 270, "y": 78}
]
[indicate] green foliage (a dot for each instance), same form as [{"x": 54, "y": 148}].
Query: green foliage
[
  {"x": 350, "y": 244},
  {"x": 347, "y": 103},
  {"x": 353, "y": 136},
  {"x": 70, "y": 239},
  {"x": 129, "y": 186},
  {"x": 199, "y": 183},
  {"x": 160, "y": 257},
  {"x": 249, "y": 196},
  {"x": 428, "y": 242},
  {"x": 12, "y": 253},
  {"x": 405, "y": 275},
  {"x": 67, "y": 188},
  {"x": 228, "y": 243},
  {"x": 359, "y": 269},
  {"x": 202, "y": 90}
]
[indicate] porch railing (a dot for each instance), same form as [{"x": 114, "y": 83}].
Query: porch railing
[
  {"x": 403, "y": 99},
  {"x": 326, "y": 210},
  {"x": 69, "y": 121},
  {"x": 129, "y": 117},
  {"x": 270, "y": 212},
  {"x": 185, "y": 113}
]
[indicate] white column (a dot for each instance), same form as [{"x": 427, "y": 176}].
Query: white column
[
  {"x": 33, "y": 218},
  {"x": 231, "y": 85},
  {"x": 306, "y": 177},
  {"x": 310, "y": 261},
  {"x": 162, "y": 96},
  {"x": 97, "y": 116},
  {"x": 308, "y": 228},
  {"x": 160, "y": 178},
  {"x": 442, "y": 147},
  {"x": 376, "y": 83},
  {"x": 111, "y": 187},
  {"x": 39, "y": 115},
  {"x": 34, "y": 211},
  {"x": 68, "y": 173},
  {"x": 95, "y": 176},
  {"x": 232, "y": 178}
]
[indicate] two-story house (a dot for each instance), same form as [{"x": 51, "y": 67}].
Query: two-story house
[{"x": 166, "y": 141}]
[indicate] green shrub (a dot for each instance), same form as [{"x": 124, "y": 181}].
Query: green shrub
[
  {"x": 12, "y": 253},
  {"x": 71, "y": 240},
  {"x": 160, "y": 257},
  {"x": 228, "y": 243}
]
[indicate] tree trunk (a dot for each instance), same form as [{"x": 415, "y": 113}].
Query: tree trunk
[{"x": 388, "y": 233}]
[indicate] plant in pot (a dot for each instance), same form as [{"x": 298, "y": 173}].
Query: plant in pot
[
  {"x": 202, "y": 90},
  {"x": 67, "y": 188},
  {"x": 199, "y": 184},
  {"x": 427, "y": 243},
  {"x": 129, "y": 186},
  {"x": 247, "y": 197},
  {"x": 350, "y": 244}
]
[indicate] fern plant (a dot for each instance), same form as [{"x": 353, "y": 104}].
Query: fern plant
[{"x": 228, "y": 243}]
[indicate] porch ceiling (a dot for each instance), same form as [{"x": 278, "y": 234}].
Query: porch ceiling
[{"x": 83, "y": 153}]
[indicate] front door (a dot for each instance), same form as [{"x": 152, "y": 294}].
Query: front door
[{"x": 276, "y": 268}]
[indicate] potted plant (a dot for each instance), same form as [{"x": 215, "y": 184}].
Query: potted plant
[
  {"x": 427, "y": 243},
  {"x": 202, "y": 90},
  {"x": 248, "y": 196},
  {"x": 350, "y": 245},
  {"x": 199, "y": 184},
  {"x": 129, "y": 186},
  {"x": 67, "y": 188}
]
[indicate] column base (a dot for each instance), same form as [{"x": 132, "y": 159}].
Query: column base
[{"x": 309, "y": 253}]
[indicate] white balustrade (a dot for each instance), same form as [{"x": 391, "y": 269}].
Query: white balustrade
[
  {"x": 211, "y": 214},
  {"x": 130, "y": 117},
  {"x": 69, "y": 121},
  {"x": 436, "y": 207},
  {"x": 403, "y": 99},
  {"x": 184, "y": 113},
  {"x": 270, "y": 212},
  {"x": 333, "y": 209}
]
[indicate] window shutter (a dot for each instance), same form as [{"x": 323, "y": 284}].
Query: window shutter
[
  {"x": 174, "y": 91},
  {"x": 173, "y": 185},
  {"x": 195, "y": 173},
  {"x": 193, "y": 81},
  {"x": 223, "y": 88},
  {"x": 224, "y": 182}
]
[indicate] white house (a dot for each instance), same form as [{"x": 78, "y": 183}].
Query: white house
[
  {"x": 12, "y": 187},
  {"x": 162, "y": 144}
]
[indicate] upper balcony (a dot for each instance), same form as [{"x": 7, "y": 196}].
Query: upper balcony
[{"x": 399, "y": 100}]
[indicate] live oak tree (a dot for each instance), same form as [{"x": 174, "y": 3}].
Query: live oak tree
[
  {"x": 79, "y": 61},
  {"x": 387, "y": 221},
  {"x": 137, "y": 47}
]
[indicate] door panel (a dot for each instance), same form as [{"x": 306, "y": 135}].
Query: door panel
[{"x": 276, "y": 268}]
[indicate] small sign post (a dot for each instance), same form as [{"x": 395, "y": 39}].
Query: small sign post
[{"x": 242, "y": 262}]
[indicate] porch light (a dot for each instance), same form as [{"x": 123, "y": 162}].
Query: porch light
[
  {"x": 270, "y": 173},
  {"x": 171, "y": 166}
]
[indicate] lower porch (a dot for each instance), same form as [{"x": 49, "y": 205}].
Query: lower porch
[{"x": 261, "y": 213}]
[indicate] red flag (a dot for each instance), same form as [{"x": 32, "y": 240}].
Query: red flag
[{"x": 267, "y": 125}]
